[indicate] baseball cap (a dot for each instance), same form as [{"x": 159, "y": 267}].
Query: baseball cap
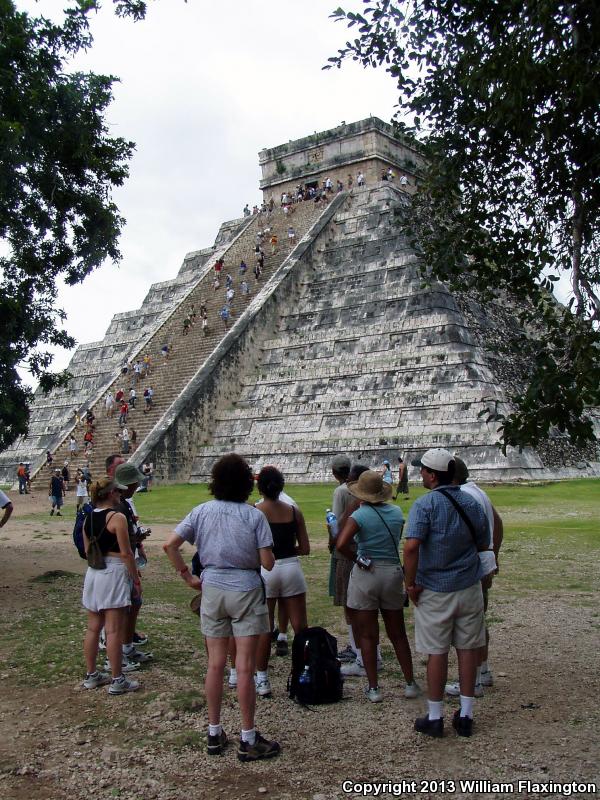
[
  {"x": 436, "y": 458},
  {"x": 340, "y": 462},
  {"x": 128, "y": 474},
  {"x": 386, "y": 462}
]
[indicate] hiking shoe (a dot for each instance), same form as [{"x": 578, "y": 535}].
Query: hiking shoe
[
  {"x": 58, "y": 514},
  {"x": 462, "y": 725},
  {"x": 347, "y": 654},
  {"x": 486, "y": 678},
  {"x": 52, "y": 513},
  {"x": 353, "y": 670},
  {"x": 453, "y": 690},
  {"x": 261, "y": 748},
  {"x": 139, "y": 639},
  {"x": 263, "y": 687},
  {"x": 122, "y": 685},
  {"x": 94, "y": 679},
  {"x": 216, "y": 744},
  {"x": 138, "y": 656},
  {"x": 430, "y": 727},
  {"x": 412, "y": 690},
  {"x": 281, "y": 648},
  {"x": 374, "y": 694}
]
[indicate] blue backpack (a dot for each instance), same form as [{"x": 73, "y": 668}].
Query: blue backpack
[{"x": 83, "y": 512}]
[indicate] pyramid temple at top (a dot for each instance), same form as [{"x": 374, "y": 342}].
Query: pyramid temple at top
[{"x": 338, "y": 347}]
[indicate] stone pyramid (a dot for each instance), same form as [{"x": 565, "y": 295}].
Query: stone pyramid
[{"x": 339, "y": 348}]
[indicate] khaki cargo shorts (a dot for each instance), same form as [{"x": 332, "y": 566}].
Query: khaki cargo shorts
[
  {"x": 380, "y": 587},
  {"x": 445, "y": 619},
  {"x": 226, "y": 613}
]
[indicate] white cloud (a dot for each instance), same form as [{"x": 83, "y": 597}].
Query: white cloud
[{"x": 204, "y": 87}]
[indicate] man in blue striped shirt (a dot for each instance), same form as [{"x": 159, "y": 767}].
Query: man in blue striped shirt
[{"x": 446, "y": 528}]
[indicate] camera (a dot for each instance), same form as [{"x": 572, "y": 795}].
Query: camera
[{"x": 363, "y": 562}]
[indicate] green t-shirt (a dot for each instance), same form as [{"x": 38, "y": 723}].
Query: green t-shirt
[{"x": 373, "y": 538}]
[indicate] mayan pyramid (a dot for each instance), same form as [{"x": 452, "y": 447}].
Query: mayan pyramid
[{"x": 338, "y": 347}]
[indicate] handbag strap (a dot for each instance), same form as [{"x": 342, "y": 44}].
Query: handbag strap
[
  {"x": 462, "y": 513},
  {"x": 390, "y": 533}
]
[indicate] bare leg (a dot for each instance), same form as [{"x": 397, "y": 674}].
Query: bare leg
[
  {"x": 368, "y": 636},
  {"x": 437, "y": 674},
  {"x": 282, "y": 616},
  {"x": 90, "y": 643},
  {"x": 113, "y": 627},
  {"x": 467, "y": 668},
  {"x": 246, "y": 691},
  {"x": 295, "y": 610},
  {"x": 213, "y": 683},
  {"x": 394, "y": 626}
]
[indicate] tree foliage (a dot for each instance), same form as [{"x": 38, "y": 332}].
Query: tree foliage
[
  {"x": 505, "y": 100},
  {"x": 59, "y": 165}
]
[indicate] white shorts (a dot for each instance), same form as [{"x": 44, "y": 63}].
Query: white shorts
[
  {"x": 107, "y": 588},
  {"x": 286, "y": 579}
]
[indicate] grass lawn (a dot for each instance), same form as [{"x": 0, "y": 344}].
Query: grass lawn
[{"x": 552, "y": 542}]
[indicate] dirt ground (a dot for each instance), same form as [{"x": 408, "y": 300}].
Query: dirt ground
[{"x": 539, "y": 723}]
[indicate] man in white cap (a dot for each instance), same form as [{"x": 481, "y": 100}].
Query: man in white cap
[
  {"x": 489, "y": 563},
  {"x": 446, "y": 529}
]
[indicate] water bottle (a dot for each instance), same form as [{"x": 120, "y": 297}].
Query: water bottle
[
  {"x": 331, "y": 520},
  {"x": 305, "y": 677}
]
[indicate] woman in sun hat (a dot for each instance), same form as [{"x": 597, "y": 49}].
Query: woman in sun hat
[{"x": 377, "y": 580}]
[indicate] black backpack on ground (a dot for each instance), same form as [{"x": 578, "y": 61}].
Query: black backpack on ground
[{"x": 315, "y": 676}]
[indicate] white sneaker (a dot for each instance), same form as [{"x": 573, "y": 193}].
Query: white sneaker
[
  {"x": 453, "y": 690},
  {"x": 412, "y": 690},
  {"x": 374, "y": 694},
  {"x": 487, "y": 679},
  {"x": 232, "y": 680},
  {"x": 353, "y": 670},
  {"x": 95, "y": 679},
  {"x": 263, "y": 687},
  {"x": 126, "y": 665},
  {"x": 123, "y": 685}
]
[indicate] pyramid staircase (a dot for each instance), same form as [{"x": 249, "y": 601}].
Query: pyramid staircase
[{"x": 169, "y": 378}]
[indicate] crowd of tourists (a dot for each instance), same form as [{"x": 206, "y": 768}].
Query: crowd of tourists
[{"x": 247, "y": 572}]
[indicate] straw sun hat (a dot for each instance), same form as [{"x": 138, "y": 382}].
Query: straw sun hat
[{"x": 370, "y": 487}]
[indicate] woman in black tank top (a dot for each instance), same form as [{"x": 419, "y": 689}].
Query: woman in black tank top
[
  {"x": 107, "y": 593},
  {"x": 285, "y": 584}
]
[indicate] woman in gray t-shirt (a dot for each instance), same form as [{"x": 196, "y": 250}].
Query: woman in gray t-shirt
[{"x": 234, "y": 541}]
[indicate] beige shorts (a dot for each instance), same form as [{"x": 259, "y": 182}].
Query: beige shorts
[
  {"x": 443, "y": 619},
  {"x": 380, "y": 587},
  {"x": 224, "y": 613}
]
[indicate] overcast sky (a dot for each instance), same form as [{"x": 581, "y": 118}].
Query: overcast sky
[{"x": 204, "y": 87}]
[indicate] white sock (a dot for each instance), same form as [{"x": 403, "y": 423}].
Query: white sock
[
  {"x": 436, "y": 709},
  {"x": 215, "y": 730},
  {"x": 282, "y": 637},
  {"x": 233, "y": 672},
  {"x": 248, "y": 736},
  {"x": 484, "y": 666},
  {"x": 262, "y": 676},
  {"x": 466, "y": 706}
]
